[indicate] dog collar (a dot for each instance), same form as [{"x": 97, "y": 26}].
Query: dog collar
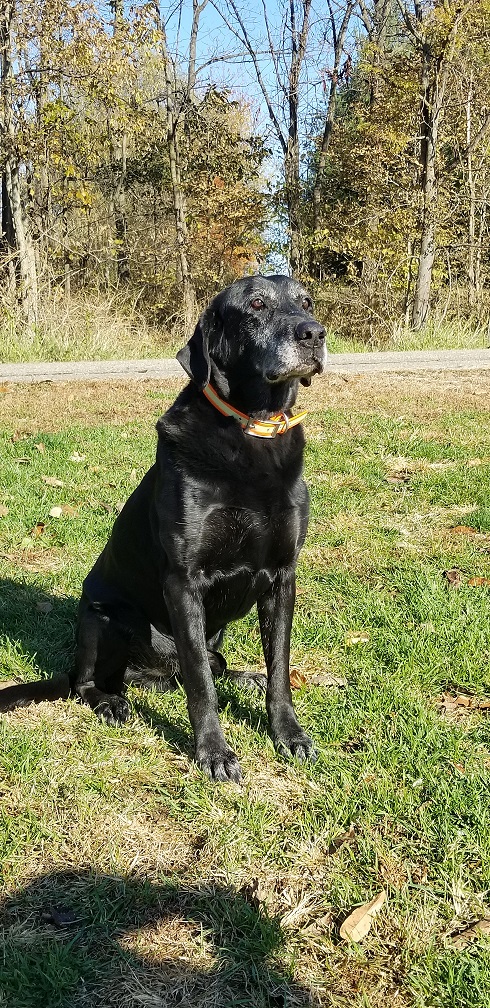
[{"x": 278, "y": 424}]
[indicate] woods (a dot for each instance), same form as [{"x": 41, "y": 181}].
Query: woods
[{"x": 156, "y": 153}]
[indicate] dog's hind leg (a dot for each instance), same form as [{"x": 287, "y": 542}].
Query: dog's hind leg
[{"x": 100, "y": 662}]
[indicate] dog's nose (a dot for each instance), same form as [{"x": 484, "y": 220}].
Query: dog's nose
[{"x": 309, "y": 331}]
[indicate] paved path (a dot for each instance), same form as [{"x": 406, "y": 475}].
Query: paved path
[{"x": 348, "y": 364}]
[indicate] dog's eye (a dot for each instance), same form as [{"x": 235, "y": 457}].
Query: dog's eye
[
  {"x": 257, "y": 304},
  {"x": 306, "y": 304}
]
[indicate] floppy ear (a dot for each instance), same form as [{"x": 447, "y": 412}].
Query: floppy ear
[{"x": 194, "y": 357}]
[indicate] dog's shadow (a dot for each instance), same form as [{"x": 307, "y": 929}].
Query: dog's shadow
[
  {"x": 78, "y": 938},
  {"x": 39, "y": 628}
]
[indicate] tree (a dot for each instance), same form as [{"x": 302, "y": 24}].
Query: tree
[
  {"x": 435, "y": 34},
  {"x": 15, "y": 228}
]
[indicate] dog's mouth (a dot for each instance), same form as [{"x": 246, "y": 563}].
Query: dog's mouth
[{"x": 304, "y": 372}]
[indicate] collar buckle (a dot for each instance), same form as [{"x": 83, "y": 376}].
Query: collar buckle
[{"x": 276, "y": 425}]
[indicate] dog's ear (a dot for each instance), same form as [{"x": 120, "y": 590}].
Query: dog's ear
[{"x": 194, "y": 357}]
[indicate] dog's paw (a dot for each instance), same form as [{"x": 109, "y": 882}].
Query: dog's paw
[
  {"x": 253, "y": 682},
  {"x": 299, "y": 745},
  {"x": 219, "y": 765},
  {"x": 112, "y": 709}
]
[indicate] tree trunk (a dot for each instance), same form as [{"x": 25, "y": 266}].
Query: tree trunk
[
  {"x": 118, "y": 146},
  {"x": 291, "y": 178},
  {"x": 119, "y": 205},
  {"x": 8, "y": 241},
  {"x": 338, "y": 36},
  {"x": 434, "y": 77},
  {"x": 12, "y": 192},
  {"x": 433, "y": 87},
  {"x": 472, "y": 249},
  {"x": 178, "y": 194}
]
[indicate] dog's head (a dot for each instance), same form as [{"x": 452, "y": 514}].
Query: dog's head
[{"x": 261, "y": 329}]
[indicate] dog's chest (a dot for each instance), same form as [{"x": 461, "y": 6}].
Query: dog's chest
[
  {"x": 240, "y": 553},
  {"x": 258, "y": 539}
]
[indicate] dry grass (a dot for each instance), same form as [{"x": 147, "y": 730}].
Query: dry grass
[
  {"x": 424, "y": 396},
  {"x": 85, "y": 328}
]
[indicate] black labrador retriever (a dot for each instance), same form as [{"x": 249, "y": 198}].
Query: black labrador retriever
[{"x": 214, "y": 527}]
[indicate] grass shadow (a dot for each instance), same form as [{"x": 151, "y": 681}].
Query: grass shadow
[
  {"x": 80, "y": 938},
  {"x": 39, "y": 624},
  {"x": 37, "y": 630}
]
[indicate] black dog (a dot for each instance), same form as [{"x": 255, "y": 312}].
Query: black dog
[{"x": 215, "y": 526}]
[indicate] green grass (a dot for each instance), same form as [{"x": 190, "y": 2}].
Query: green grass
[{"x": 219, "y": 895}]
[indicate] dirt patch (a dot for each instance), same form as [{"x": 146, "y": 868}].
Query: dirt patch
[{"x": 64, "y": 404}]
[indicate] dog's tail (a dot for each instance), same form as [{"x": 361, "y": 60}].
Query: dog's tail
[{"x": 34, "y": 692}]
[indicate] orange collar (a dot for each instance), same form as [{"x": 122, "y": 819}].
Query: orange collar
[{"x": 278, "y": 424}]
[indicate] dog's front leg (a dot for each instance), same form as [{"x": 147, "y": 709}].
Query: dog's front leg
[
  {"x": 275, "y": 609},
  {"x": 186, "y": 611}
]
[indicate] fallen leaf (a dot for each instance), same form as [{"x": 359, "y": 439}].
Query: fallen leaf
[
  {"x": 397, "y": 478},
  {"x": 297, "y": 678},
  {"x": 67, "y": 509},
  {"x": 133, "y": 476},
  {"x": 358, "y": 923},
  {"x": 252, "y": 893},
  {"x": 453, "y": 577},
  {"x": 349, "y": 838},
  {"x": 326, "y": 679},
  {"x": 476, "y": 582},
  {"x": 463, "y": 530},
  {"x": 428, "y": 626},
  {"x": 56, "y": 512},
  {"x": 359, "y": 637},
  {"x": 368, "y": 778},
  {"x": 462, "y": 939},
  {"x": 23, "y": 460},
  {"x": 3, "y": 511},
  {"x": 459, "y": 767},
  {"x": 76, "y": 457},
  {"x": 353, "y": 744},
  {"x": 38, "y": 529},
  {"x": 474, "y": 462},
  {"x": 119, "y": 506},
  {"x": 41, "y": 447},
  {"x": 462, "y": 703},
  {"x": 463, "y": 700},
  {"x": 20, "y": 435},
  {"x": 44, "y": 607},
  {"x": 52, "y": 481}
]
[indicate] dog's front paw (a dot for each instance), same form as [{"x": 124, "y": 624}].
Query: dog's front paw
[
  {"x": 112, "y": 709},
  {"x": 219, "y": 764},
  {"x": 297, "y": 744}
]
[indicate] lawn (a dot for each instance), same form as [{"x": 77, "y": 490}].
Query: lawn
[{"x": 128, "y": 878}]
